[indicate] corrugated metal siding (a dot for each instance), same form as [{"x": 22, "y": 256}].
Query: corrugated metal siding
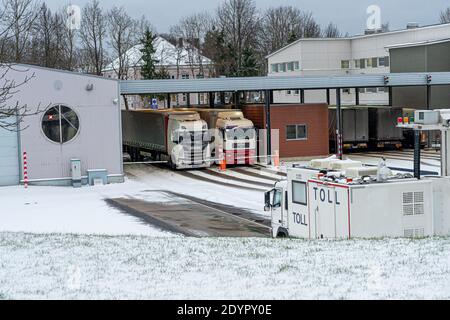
[
  {"x": 279, "y": 83},
  {"x": 9, "y": 162}
]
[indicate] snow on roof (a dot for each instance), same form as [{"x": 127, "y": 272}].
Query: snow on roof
[
  {"x": 361, "y": 36},
  {"x": 166, "y": 53}
]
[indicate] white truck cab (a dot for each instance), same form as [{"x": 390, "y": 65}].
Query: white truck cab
[{"x": 189, "y": 145}]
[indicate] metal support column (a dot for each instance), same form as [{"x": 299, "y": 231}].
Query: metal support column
[
  {"x": 302, "y": 96},
  {"x": 212, "y": 98},
  {"x": 222, "y": 98},
  {"x": 188, "y": 99},
  {"x": 357, "y": 96},
  {"x": 339, "y": 144},
  {"x": 417, "y": 154},
  {"x": 236, "y": 98},
  {"x": 391, "y": 98},
  {"x": 328, "y": 97},
  {"x": 429, "y": 133},
  {"x": 268, "y": 97},
  {"x": 168, "y": 101}
]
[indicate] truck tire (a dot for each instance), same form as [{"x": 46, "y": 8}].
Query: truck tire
[{"x": 282, "y": 233}]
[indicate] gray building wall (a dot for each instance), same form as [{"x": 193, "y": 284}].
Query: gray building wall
[
  {"x": 9, "y": 156},
  {"x": 425, "y": 58},
  {"x": 98, "y": 141}
]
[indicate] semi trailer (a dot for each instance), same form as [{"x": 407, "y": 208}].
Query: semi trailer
[
  {"x": 355, "y": 122},
  {"x": 383, "y": 131},
  {"x": 235, "y": 136},
  {"x": 367, "y": 127},
  {"x": 180, "y": 138}
]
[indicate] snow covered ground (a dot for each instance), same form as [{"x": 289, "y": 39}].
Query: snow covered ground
[
  {"x": 68, "y": 210},
  {"x": 84, "y": 211},
  {"x": 68, "y": 243},
  {"x": 136, "y": 267}
]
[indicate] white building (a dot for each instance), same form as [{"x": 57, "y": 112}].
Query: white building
[
  {"x": 362, "y": 54},
  {"x": 180, "y": 62},
  {"x": 70, "y": 116}
]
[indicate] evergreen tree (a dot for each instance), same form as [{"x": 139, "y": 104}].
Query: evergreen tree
[
  {"x": 249, "y": 63},
  {"x": 148, "y": 69},
  {"x": 148, "y": 51}
]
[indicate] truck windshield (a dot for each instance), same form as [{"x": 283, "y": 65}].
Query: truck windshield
[
  {"x": 240, "y": 134},
  {"x": 277, "y": 199}
]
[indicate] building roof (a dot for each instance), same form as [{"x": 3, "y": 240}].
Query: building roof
[
  {"x": 418, "y": 43},
  {"x": 166, "y": 53},
  {"x": 359, "y": 36},
  {"x": 73, "y": 73}
]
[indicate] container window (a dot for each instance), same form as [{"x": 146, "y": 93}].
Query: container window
[
  {"x": 299, "y": 193},
  {"x": 60, "y": 124}
]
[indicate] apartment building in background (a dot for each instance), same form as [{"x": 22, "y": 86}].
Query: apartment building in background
[
  {"x": 361, "y": 54},
  {"x": 180, "y": 61}
]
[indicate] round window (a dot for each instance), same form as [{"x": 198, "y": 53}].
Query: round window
[{"x": 60, "y": 124}]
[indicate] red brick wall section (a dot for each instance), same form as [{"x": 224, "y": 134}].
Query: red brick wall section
[
  {"x": 315, "y": 116},
  {"x": 255, "y": 113}
]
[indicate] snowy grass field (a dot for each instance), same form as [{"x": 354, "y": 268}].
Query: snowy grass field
[{"x": 55, "y": 266}]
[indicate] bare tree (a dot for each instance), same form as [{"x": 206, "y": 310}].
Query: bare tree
[
  {"x": 331, "y": 31},
  {"x": 13, "y": 112},
  {"x": 18, "y": 18},
  {"x": 122, "y": 35},
  {"x": 239, "y": 21},
  {"x": 93, "y": 34},
  {"x": 285, "y": 24},
  {"x": 445, "y": 16},
  {"x": 193, "y": 30},
  {"x": 69, "y": 46}
]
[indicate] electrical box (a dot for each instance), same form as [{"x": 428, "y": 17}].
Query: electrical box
[
  {"x": 426, "y": 117},
  {"x": 75, "y": 169}
]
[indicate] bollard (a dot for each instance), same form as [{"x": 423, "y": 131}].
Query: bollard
[{"x": 25, "y": 170}]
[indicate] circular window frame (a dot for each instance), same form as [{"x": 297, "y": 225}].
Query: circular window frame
[{"x": 42, "y": 120}]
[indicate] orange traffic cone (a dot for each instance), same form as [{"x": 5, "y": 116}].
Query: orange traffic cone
[{"x": 276, "y": 159}]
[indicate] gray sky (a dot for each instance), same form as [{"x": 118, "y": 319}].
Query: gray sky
[{"x": 349, "y": 15}]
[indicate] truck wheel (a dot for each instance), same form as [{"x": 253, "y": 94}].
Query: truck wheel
[
  {"x": 282, "y": 234},
  {"x": 172, "y": 165}
]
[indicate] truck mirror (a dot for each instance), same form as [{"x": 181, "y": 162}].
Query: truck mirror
[{"x": 213, "y": 139}]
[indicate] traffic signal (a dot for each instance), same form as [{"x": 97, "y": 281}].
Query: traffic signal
[{"x": 429, "y": 78}]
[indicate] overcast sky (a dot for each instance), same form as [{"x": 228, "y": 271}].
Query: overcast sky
[{"x": 349, "y": 15}]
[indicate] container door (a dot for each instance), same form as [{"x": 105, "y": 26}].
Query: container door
[
  {"x": 9, "y": 157},
  {"x": 328, "y": 211},
  {"x": 362, "y": 125}
]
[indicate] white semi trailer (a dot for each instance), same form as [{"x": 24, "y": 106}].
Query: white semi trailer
[
  {"x": 333, "y": 198},
  {"x": 181, "y": 138}
]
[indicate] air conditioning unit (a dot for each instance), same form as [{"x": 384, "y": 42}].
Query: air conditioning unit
[
  {"x": 426, "y": 117},
  {"x": 345, "y": 164},
  {"x": 357, "y": 172}
]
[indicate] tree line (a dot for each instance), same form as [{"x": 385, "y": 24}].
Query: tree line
[{"x": 236, "y": 36}]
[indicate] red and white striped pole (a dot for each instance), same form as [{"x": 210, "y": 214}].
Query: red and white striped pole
[{"x": 25, "y": 170}]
